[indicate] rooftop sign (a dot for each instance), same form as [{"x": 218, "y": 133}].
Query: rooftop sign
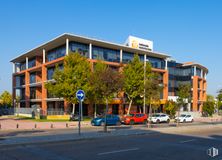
[{"x": 139, "y": 43}]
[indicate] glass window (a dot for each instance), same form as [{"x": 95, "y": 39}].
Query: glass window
[
  {"x": 32, "y": 93},
  {"x": 82, "y": 49},
  {"x": 127, "y": 57},
  {"x": 56, "y": 53},
  {"x": 105, "y": 54},
  {"x": 22, "y": 66},
  {"x": 31, "y": 63},
  {"x": 156, "y": 62},
  {"x": 50, "y": 72},
  {"x": 32, "y": 78},
  {"x": 198, "y": 72}
]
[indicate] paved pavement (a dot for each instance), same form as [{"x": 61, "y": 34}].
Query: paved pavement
[{"x": 157, "y": 144}]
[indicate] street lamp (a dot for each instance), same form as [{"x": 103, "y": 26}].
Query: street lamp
[{"x": 144, "y": 97}]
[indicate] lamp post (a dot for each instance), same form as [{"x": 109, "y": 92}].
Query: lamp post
[{"x": 144, "y": 97}]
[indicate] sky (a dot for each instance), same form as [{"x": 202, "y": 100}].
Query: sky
[{"x": 187, "y": 30}]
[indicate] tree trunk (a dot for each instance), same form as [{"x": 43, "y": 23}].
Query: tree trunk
[
  {"x": 149, "y": 116},
  {"x": 73, "y": 108},
  {"x": 178, "y": 113},
  {"x": 95, "y": 111},
  {"x": 128, "y": 111},
  {"x": 105, "y": 126}
]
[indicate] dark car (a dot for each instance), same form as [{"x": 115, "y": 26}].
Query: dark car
[
  {"x": 74, "y": 117},
  {"x": 111, "y": 119}
]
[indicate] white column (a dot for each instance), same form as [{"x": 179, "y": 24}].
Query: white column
[
  {"x": 43, "y": 55},
  {"x": 145, "y": 60},
  {"x": 13, "y": 67},
  {"x": 121, "y": 56},
  {"x": 144, "y": 97},
  {"x": 205, "y": 76},
  {"x": 90, "y": 51},
  {"x": 27, "y": 62},
  {"x": 166, "y": 64},
  {"x": 195, "y": 70},
  {"x": 67, "y": 46}
]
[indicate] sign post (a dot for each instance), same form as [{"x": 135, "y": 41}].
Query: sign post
[{"x": 80, "y": 95}]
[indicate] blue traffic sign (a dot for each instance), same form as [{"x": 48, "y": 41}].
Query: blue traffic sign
[{"x": 80, "y": 95}]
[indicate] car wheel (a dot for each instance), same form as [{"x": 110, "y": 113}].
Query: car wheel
[
  {"x": 191, "y": 121},
  {"x": 118, "y": 123},
  {"x": 184, "y": 121},
  {"x": 131, "y": 122},
  {"x": 168, "y": 120},
  {"x": 158, "y": 121},
  {"x": 145, "y": 121}
]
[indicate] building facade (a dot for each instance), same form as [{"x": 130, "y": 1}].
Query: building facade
[{"x": 34, "y": 68}]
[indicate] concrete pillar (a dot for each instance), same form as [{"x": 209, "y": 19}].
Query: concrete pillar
[
  {"x": 165, "y": 85},
  {"x": 166, "y": 64},
  {"x": 13, "y": 67},
  {"x": 43, "y": 56},
  {"x": 67, "y": 46},
  {"x": 90, "y": 51},
  {"x": 121, "y": 56},
  {"x": 195, "y": 93},
  {"x": 44, "y": 91},
  {"x": 66, "y": 106},
  {"x": 27, "y": 62},
  {"x": 195, "y": 70},
  {"x": 27, "y": 89}
]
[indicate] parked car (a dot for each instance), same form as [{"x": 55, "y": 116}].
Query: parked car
[
  {"x": 111, "y": 119},
  {"x": 74, "y": 117},
  {"x": 133, "y": 118},
  {"x": 184, "y": 118},
  {"x": 159, "y": 118}
]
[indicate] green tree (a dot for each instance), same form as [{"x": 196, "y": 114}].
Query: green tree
[
  {"x": 133, "y": 74},
  {"x": 208, "y": 106},
  {"x": 6, "y": 99},
  {"x": 184, "y": 96},
  {"x": 106, "y": 82},
  {"x": 170, "y": 108},
  {"x": 219, "y": 100},
  {"x": 74, "y": 76},
  {"x": 153, "y": 89}
]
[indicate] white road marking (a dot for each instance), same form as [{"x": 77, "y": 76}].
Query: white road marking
[
  {"x": 118, "y": 151},
  {"x": 190, "y": 140}
]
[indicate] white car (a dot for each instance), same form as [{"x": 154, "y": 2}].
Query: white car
[
  {"x": 159, "y": 117},
  {"x": 184, "y": 118}
]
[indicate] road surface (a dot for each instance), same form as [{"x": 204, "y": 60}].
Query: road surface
[{"x": 191, "y": 145}]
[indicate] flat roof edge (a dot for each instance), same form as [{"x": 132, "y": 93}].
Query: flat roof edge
[{"x": 87, "y": 38}]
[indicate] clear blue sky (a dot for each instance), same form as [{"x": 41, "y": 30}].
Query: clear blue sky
[{"x": 188, "y": 30}]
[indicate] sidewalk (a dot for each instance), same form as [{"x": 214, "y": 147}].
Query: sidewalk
[
  {"x": 48, "y": 136},
  {"x": 19, "y": 124}
]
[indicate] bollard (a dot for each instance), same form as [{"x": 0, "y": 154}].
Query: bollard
[
  {"x": 67, "y": 125},
  {"x": 51, "y": 125},
  {"x": 35, "y": 125},
  {"x": 17, "y": 126}
]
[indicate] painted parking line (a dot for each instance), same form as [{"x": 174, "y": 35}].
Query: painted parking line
[
  {"x": 118, "y": 151},
  {"x": 190, "y": 140}
]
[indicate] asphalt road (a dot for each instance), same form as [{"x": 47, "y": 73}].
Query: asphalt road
[{"x": 155, "y": 146}]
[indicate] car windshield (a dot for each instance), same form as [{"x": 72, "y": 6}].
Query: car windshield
[
  {"x": 155, "y": 115},
  {"x": 130, "y": 115},
  {"x": 183, "y": 115}
]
